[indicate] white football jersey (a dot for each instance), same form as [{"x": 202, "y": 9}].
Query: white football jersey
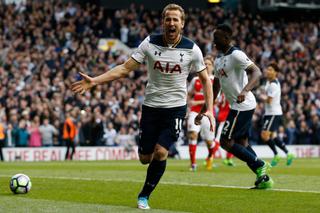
[
  {"x": 168, "y": 69},
  {"x": 273, "y": 90},
  {"x": 230, "y": 69}
]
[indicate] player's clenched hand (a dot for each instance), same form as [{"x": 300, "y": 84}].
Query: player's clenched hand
[
  {"x": 241, "y": 97},
  {"x": 210, "y": 116},
  {"x": 85, "y": 84}
]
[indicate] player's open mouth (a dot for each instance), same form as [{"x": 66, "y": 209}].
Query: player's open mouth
[{"x": 172, "y": 30}]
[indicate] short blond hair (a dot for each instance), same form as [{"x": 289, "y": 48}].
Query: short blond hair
[
  {"x": 174, "y": 7},
  {"x": 210, "y": 58}
]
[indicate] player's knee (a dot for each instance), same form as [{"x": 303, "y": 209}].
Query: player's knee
[
  {"x": 226, "y": 144},
  {"x": 145, "y": 159},
  {"x": 244, "y": 142},
  {"x": 160, "y": 153},
  {"x": 209, "y": 143},
  {"x": 265, "y": 135},
  {"x": 192, "y": 136}
]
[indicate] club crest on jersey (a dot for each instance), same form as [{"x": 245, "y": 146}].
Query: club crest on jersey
[
  {"x": 168, "y": 68},
  {"x": 223, "y": 73},
  {"x": 157, "y": 53},
  {"x": 181, "y": 55}
]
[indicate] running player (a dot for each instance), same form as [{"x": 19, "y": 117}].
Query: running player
[
  {"x": 273, "y": 115},
  {"x": 231, "y": 68},
  {"x": 170, "y": 57}
]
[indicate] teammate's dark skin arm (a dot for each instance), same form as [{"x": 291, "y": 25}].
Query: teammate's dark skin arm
[
  {"x": 255, "y": 74},
  {"x": 216, "y": 88}
]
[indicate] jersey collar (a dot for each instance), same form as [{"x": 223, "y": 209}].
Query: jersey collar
[
  {"x": 230, "y": 50},
  {"x": 175, "y": 44}
]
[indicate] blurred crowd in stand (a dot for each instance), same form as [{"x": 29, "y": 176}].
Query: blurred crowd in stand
[{"x": 44, "y": 44}]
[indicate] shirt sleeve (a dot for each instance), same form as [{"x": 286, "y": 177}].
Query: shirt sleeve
[
  {"x": 272, "y": 90},
  {"x": 242, "y": 60},
  {"x": 140, "y": 53},
  {"x": 197, "y": 61}
]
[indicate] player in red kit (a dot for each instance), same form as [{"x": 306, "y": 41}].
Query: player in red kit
[{"x": 195, "y": 101}]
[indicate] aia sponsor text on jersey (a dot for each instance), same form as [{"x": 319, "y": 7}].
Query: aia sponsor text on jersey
[
  {"x": 222, "y": 73},
  {"x": 167, "y": 68}
]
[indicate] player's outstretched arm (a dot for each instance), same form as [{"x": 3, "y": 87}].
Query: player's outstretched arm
[
  {"x": 117, "y": 72},
  {"x": 254, "y": 77}
]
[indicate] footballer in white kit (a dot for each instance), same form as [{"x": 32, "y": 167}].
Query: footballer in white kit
[
  {"x": 273, "y": 115},
  {"x": 170, "y": 57},
  {"x": 166, "y": 91},
  {"x": 273, "y": 109},
  {"x": 168, "y": 69},
  {"x": 231, "y": 68}
]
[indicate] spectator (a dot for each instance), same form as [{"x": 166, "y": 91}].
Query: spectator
[
  {"x": 11, "y": 135},
  {"x": 303, "y": 134},
  {"x": 69, "y": 134},
  {"x": 22, "y": 135},
  {"x": 2, "y": 139},
  {"x": 109, "y": 135},
  {"x": 315, "y": 128},
  {"x": 47, "y": 132},
  {"x": 35, "y": 135},
  {"x": 291, "y": 132},
  {"x": 124, "y": 31},
  {"x": 282, "y": 135},
  {"x": 86, "y": 130},
  {"x": 97, "y": 128},
  {"x": 124, "y": 139}
]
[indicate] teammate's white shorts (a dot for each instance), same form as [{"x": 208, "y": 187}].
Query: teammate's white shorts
[{"x": 203, "y": 128}]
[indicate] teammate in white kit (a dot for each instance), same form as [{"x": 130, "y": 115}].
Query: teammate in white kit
[
  {"x": 273, "y": 114},
  {"x": 195, "y": 102},
  {"x": 170, "y": 57},
  {"x": 231, "y": 68}
]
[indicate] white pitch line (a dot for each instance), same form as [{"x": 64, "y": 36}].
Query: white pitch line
[{"x": 166, "y": 183}]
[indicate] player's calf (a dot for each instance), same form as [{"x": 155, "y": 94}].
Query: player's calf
[{"x": 226, "y": 144}]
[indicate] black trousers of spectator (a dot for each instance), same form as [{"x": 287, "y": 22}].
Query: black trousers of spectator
[
  {"x": 70, "y": 143},
  {"x": 1, "y": 145}
]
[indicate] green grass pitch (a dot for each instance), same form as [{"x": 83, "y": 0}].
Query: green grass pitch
[{"x": 112, "y": 186}]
